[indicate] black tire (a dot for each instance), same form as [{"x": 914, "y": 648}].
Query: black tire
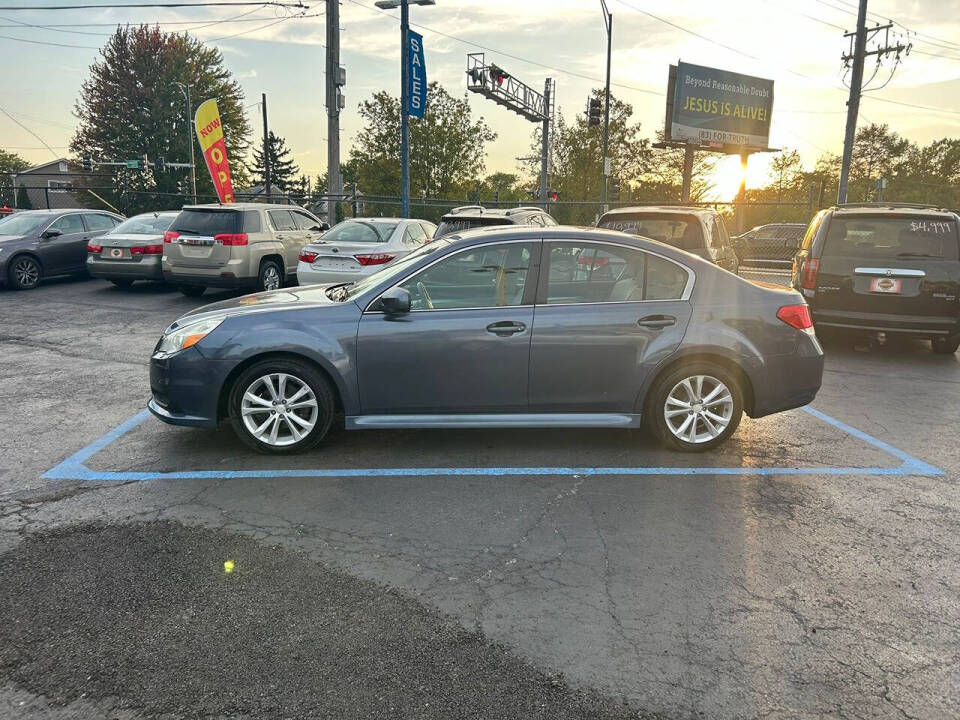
[
  {"x": 301, "y": 372},
  {"x": 122, "y": 283},
  {"x": 656, "y": 406},
  {"x": 946, "y": 346},
  {"x": 192, "y": 290},
  {"x": 25, "y": 273},
  {"x": 270, "y": 276}
]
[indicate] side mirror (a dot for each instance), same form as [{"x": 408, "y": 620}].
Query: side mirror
[
  {"x": 51, "y": 233},
  {"x": 395, "y": 301}
]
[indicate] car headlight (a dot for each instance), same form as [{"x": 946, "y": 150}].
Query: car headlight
[{"x": 187, "y": 335}]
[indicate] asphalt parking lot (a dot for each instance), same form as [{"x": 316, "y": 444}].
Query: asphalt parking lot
[{"x": 807, "y": 568}]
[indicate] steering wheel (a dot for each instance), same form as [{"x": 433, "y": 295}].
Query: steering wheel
[{"x": 422, "y": 289}]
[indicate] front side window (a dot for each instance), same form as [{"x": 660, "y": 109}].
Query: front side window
[
  {"x": 413, "y": 235},
  {"x": 281, "y": 220},
  {"x": 595, "y": 273},
  {"x": 305, "y": 221},
  {"x": 487, "y": 276},
  {"x": 68, "y": 224}
]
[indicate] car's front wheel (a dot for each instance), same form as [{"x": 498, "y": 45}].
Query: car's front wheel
[
  {"x": 695, "y": 407},
  {"x": 25, "y": 273},
  {"x": 281, "y": 406},
  {"x": 946, "y": 346}
]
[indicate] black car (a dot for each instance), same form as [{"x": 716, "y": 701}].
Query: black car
[
  {"x": 697, "y": 230},
  {"x": 35, "y": 244},
  {"x": 474, "y": 216},
  {"x": 884, "y": 269},
  {"x": 770, "y": 245}
]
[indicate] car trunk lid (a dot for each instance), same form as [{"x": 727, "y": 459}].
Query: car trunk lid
[{"x": 193, "y": 237}]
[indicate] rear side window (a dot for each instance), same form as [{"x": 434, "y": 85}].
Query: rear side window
[
  {"x": 206, "y": 222},
  {"x": 251, "y": 221},
  {"x": 885, "y": 237},
  {"x": 680, "y": 231},
  {"x": 281, "y": 220}
]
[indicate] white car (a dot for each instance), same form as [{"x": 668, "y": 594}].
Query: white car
[{"x": 358, "y": 247}]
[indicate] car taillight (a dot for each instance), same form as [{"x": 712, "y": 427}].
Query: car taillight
[
  {"x": 147, "y": 250},
  {"x": 808, "y": 273},
  {"x": 797, "y": 316},
  {"x": 91, "y": 248},
  {"x": 170, "y": 236},
  {"x": 374, "y": 259},
  {"x": 307, "y": 256},
  {"x": 230, "y": 239}
]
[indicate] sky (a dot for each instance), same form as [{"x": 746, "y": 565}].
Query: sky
[{"x": 796, "y": 43}]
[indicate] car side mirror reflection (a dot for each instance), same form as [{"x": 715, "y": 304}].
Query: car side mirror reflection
[
  {"x": 395, "y": 301},
  {"x": 51, "y": 233}
]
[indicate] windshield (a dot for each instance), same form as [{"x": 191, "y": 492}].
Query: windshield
[
  {"x": 680, "y": 231},
  {"x": 148, "y": 224},
  {"x": 453, "y": 225},
  {"x": 394, "y": 269},
  {"x": 23, "y": 224},
  {"x": 359, "y": 231},
  {"x": 892, "y": 237}
]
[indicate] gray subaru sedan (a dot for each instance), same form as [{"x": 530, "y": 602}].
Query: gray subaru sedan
[{"x": 497, "y": 327}]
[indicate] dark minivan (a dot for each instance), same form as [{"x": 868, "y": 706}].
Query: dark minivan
[{"x": 884, "y": 268}]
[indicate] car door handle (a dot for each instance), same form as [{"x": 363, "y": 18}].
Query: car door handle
[
  {"x": 505, "y": 328},
  {"x": 657, "y": 321}
]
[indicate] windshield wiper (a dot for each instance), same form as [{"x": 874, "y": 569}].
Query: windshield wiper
[{"x": 917, "y": 255}]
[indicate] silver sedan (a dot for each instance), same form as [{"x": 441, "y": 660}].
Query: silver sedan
[{"x": 358, "y": 247}]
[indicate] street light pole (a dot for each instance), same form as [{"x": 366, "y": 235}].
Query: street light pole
[
  {"x": 608, "y": 23},
  {"x": 193, "y": 165}
]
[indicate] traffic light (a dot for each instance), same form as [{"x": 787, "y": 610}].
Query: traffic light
[
  {"x": 553, "y": 195},
  {"x": 88, "y": 164},
  {"x": 159, "y": 164},
  {"x": 614, "y": 194},
  {"x": 594, "y": 111},
  {"x": 143, "y": 163},
  {"x": 182, "y": 186},
  {"x": 497, "y": 74}
]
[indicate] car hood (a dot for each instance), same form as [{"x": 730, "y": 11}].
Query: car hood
[
  {"x": 11, "y": 238},
  {"x": 295, "y": 298}
]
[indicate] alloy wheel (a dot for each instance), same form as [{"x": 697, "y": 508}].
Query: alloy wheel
[
  {"x": 26, "y": 272},
  {"x": 698, "y": 409},
  {"x": 279, "y": 409},
  {"x": 271, "y": 278}
]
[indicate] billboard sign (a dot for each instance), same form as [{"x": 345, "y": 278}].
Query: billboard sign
[
  {"x": 210, "y": 134},
  {"x": 715, "y": 108},
  {"x": 416, "y": 76}
]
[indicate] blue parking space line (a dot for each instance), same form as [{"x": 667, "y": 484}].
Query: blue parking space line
[{"x": 73, "y": 468}]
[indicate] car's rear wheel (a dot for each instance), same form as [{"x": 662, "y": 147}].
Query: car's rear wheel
[
  {"x": 25, "y": 273},
  {"x": 270, "y": 277},
  {"x": 122, "y": 283},
  {"x": 192, "y": 290},
  {"x": 946, "y": 346},
  {"x": 281, "y": 406},
  {"x": 695, "y": 407}
]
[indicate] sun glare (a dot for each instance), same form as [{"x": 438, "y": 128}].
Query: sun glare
[{"x": 726, "y": 178}]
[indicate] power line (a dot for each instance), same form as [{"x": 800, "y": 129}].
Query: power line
[{"x": 42, "y": 141}]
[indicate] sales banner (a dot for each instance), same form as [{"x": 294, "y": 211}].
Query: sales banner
[
  {"x": 210, "y": 134},
  {"x": 710, "y": 107},
  {"x": 416, "y": 76}
]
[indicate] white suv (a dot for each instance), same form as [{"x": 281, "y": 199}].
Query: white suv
[{"x": 244, "y": 245}]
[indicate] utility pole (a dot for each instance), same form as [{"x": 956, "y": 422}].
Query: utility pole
[
  {"x": 335, "y": 77},
  {"x": 608, "y": 23},
  {"x": 266, "y": 149},
  {"x": 545, "y": 145},
  {"x": 687, "y": 173},
  {"x": 858, "y": 55},
  {"x": 193, "y": 165}
]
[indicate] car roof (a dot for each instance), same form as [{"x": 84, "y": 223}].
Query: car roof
[
  {"x": 478, "y": 211},
  {"x": 665, "y": 209},
  {"x": 890, "y": 207},
  {"x": 381, "y": 220},
  {"x": 244, "y": 206}
]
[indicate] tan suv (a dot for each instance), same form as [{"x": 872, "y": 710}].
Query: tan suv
[{"x": 245, "y": 245}]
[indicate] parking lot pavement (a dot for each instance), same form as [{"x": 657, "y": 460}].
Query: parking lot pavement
[{"x": 709, "y": 595}]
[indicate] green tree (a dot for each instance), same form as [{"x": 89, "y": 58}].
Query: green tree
[
  {"x": 663, "y": 179},
  {"x": 129, "y": 106},
  {"x": 447, "y": 146},
  {"x": 786, "y": 169},
  {"x": 878, "y": 152},
  {"x": 283, "y": 171},
  {"x": 9, "y": 163}
]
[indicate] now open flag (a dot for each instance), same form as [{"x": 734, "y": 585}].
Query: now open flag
[{"x": 210, "y": 134}]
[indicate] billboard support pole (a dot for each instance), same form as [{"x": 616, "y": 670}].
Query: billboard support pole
[
  {"x": 742, "y": 190},
  {"x": 687, "y": 173}
]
